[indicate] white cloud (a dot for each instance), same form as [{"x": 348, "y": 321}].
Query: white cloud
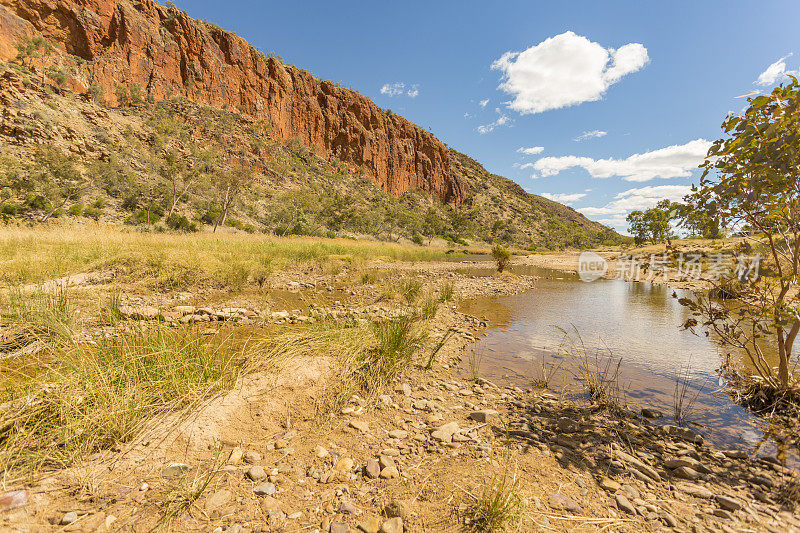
[
  {"x": 564, "y": 198},
  {"x": 393, "y": 89},
  {"x": 775, "y": 71},
  {"x": 397, "y": 89},
  {"x": 638, "y": 199},
  {"x": 502, "y": 120},
  {"x": 676, "y": 161},
  {"x": 526, "y": 165},
  {"x": 594, "y": 134},
  {"x": 533, "y": 150},
  {"x": 483, "y": 103},
  {"x": 565, "y": 70}
]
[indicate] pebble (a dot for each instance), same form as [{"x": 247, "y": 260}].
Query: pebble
[
  {"x": 373, "y": 468},
  {"x": 695, "y": 490},
  {"x": 218, "y": 499},
  {"x": 560, "y": 502},
  {"x": 727, "y": 503},
  {"x": 236, "y": 456},
  {"x": 722, "y": 513},
  {"x": 174, "y": 469},
  {"x": 13, "y": 500},
  {"x": 624, "y": 504},
  {"x": 360, "y": 425},
  {"x": 320, "y": 452},
  {"x": 609, "y": 484},
  {"x": 484, "y": 416},
  {"x": 347, "y": 507},
  {"x": 445, "y": 432},
  {"x": 69, "y": 518},
  {"x": 393, "y": 525},
  {"x": 369, "y": 524},
  {"x": 345, "y": 464},
  {"x": 265, "y": 489},
  {"x": 390, "y": 472},
  {"x": 256, "y": 473},
  {"x": 684, "y": 472},
  {"x": 669, "y": 520},
  {"x": 252, "y": 458},
  {"x": 339, "y": 527},
  {"x": 631, "y": 492}
]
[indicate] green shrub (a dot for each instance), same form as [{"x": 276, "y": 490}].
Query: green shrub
[
  {"x": 502, "y": 256},
  {"x": 180, "y": 223},
  {"x": 76, "y": 210},
  {"x": 92, "y": 212}
]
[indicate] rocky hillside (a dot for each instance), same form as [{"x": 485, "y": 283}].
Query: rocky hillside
[
  {"x": 167, "y": 53},
  {"x": 161, "y": 114}
]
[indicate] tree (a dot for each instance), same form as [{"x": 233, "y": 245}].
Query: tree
[
  {"x": 752, "y": 178},
  {"x": 654, "y": 224},
  {"x": 32, "y": 48},
  {"x": 228, "y": 184},
  {"x": 637, "y": 226},
  {"x": 182, "y": 175},
  {"x": 699, "y": 223},
  {"x": 661, "y": 217},
  {"x": 55, "y": 180}
]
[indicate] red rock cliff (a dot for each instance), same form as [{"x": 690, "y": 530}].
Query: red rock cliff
[{"x": 169, "y": 54}]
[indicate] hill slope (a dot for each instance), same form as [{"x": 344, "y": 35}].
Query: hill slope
[{"x": 158, "y": 113}]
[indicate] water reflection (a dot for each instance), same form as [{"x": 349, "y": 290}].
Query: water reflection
[{"x": 637, "y": 322}]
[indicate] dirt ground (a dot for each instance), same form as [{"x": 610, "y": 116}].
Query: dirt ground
[{"x": 421, "y": 456}]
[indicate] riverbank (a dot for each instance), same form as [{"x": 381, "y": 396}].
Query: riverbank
[{"x": 303, "y": 439}]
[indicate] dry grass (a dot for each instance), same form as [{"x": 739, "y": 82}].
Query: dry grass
[
  {"x": 187, "y": 489},
  {"x": 496, "y": 508},
  {"x": 78, "y": 399},
  {"x": 597, "y": 371},
  {"x": 366, "y": 358},
  {"x": 178, "y": 261},
  {"x": 682, "y": 399},
  {"x": 447, "y": 291}
]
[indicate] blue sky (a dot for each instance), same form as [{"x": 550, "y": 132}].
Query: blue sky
[{"x": 584, "y": 84}]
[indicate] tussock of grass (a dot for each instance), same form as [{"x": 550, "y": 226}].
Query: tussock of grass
[
  {"x": 186, "y": 490},
  {"x": 178, "y": 261},
  {"x": 497, "y": 507},
  {"x": 397, "y": 343},
  {"x": 410, "y": 288},
  {"x": 446, "y": 291},
  {"x": 366, "y": 358},
  {"x": 598, "y": 373},
  {"x": 87, "y": 397},
  {"x": 429, "y": 307},
  {"x": 45, "y": 313}
]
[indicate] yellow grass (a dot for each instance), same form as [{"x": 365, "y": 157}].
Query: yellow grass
[{"x": 176, "y": 261}]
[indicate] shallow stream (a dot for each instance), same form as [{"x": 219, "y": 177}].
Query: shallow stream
[{"x": 638, "y": 324}]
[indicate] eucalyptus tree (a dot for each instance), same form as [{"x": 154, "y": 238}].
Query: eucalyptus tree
[{"x": 751, "y": 180}]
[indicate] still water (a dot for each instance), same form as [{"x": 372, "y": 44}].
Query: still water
[{"x": 637, "y": 323}]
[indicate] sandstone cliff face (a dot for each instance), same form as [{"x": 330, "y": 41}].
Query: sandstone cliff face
[{"x": 168, "y": 54}]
